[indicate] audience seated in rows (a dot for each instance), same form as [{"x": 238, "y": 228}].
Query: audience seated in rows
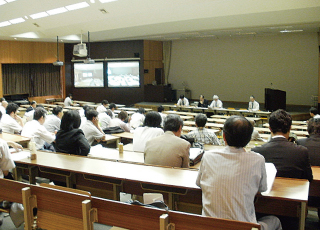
[
  {"x": 313, "y": 141},
  {"x": 163, "y": 116},
  {"x": 68, "y": 100},
  {"x": 168, "y": 149},
  {"x": 119, "y": 121},
  {"x": 105, "y": 119},
  {"x": 137, "y": 118},
  {"x": 231, "y": 177},
  {"x": 151, "y": 129},
  {"x": 203, "y": 135},
  {"x": 37, "y": 132},
  {"x": 103, "y": 107},
  {"x": 290, "y": 160},
  {"x": 11, "y": 122},
  {"x": 70, "y": 139},
  {"x": 91, "y": 127},
  {"x": 53, "y": 121},
  {"x": 33, "y": 105},
  {"x": 112, "y": 107}
]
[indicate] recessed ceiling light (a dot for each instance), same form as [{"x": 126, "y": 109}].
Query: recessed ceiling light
[
  {"x": 77, "y": 6},
  {"x": 26, "y": 35},
  {"x": 290, "y": 31},
  {"x": 16, "y": 20},
  {"x": 105, "y": 1},
  {"x": 10, "y": 0},
  {"x": 6, "y": 23},
  {"x": 26, "y": 17},
  {"x": 57, "y": 11},
  {"x": 92, "y": 1},
  {"x": 2, "y": 2},
  {"x": 39, "y": 15}
]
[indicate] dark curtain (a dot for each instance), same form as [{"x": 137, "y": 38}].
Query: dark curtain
[{"x": 34, "y": 79}]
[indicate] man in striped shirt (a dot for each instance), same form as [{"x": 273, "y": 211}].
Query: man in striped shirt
[{"x": 231, "y": 177}]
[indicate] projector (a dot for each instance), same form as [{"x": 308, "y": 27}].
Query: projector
[
  {"x": 80, "y": 50},
  {"x": 58, "y": 63},
  {"x": 88, "y": 61}
]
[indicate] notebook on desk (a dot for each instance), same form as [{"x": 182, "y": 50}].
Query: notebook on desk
[
  {"x": 271, "y": 175},
  {"x": 195, "y": 155}
]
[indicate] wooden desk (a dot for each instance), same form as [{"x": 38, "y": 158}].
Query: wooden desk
[
  {"x": 285, "y": 193},
  {"x": 14, "y": 137},
  {"x": 73, "y": 107},
  {"x": 126, "y": 135},
  {"x": 299, "y": 122},
  {"x": 315, "y": 184},
  {"x": 82, "y": 103}
]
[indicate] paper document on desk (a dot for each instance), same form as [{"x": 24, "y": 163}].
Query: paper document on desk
[
  {"x": 271, "y": 175},
  {"x": 20, "y": 155},
  {"x": 195, "y": 155}
]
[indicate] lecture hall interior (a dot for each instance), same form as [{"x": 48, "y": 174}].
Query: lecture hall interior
[{"x": 230, "y": 48}]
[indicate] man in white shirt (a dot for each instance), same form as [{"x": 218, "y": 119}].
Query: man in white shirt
[
  {"x": 105, "y": 119},
  {"x": 183, "y": 101},
  {"x": 35, "y": 130},
  {"x": 68, "y": 101},
  {"x": 137, "y": 118},
  {"x": 253, "y": 104},
  {"x": 3, "y": 106},
  {"x": 119, "y": 121},
  {"x": 91, "y": 128},
  {"x": 231, "y": 177},
  {"x": 103, "y": 107},
  {"x": 11, "y": 122},
  {"x": 216, "y": 103},
  {"x": 53, "y": 121}
]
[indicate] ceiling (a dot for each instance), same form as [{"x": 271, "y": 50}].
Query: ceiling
[{"x": 156, "y": 19}]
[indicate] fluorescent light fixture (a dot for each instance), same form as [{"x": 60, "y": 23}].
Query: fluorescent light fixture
[
  {"x": 16, "y": 20},
  {"x": 26, "y": 35},
  {"x": 105, "y": 1},
  {"x": 71, "y": 38},
  {"x": 5, "y": 23},
  {"x": 290, "y": 31},
  {"x": 92, "y": 1},
  {"x": 77, "y": 6},
  {"x": 2, "y": 2},
  {"x": 39, "y": 15},
  {"x": 57, "y": 11},
  {"x": 10, "y": 1}
]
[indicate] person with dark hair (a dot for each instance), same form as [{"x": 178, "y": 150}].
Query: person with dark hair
[
  {"x": 53, "y": 121},
  {"x": 11, "y": 122},
  {"x": 83, "y": 112},
  {"x": 183, "y": 101},
  {"x": 33, "y": 105},
  {"x": 291, "y": 160},
  {"x": 35, "y": 130},
  {"x": 91, "y": 127},
  {"x": 313, "y": 111},
  {"x": 112, "y": 107},
  {"x": 253, "y": 104},
  {"x": 103, "y": 107},
  {"x": 168, "y": 149},
  {"x": 231, "y": 177},
  {"x": 163, "y": 116},
  {"x": 312, "y": 143},
  {"x": 70, "y": 139},
  {"x": 68, "y": 101},
  {"x": 201, "y": 134},
  {"x": 203, "y": 102},
  {"x": 151, "y": 128},
  {"x": 119, "y": 121},
  {"x": 137, "y": 118}
]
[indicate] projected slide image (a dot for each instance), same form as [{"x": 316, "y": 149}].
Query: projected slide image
[
  {"x": 88, "y": 75},
  {"x": 123, "y": 74}
]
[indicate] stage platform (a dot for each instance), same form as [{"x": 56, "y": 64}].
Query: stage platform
[{"x": 298, "y": 112}]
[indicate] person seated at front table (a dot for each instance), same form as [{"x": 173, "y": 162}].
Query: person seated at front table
[
  {"x": 137, "y": 118},
  {"x": 253, "y": 104},
  {"x": 216, "y": 103},
  {"x": 11, "y": 122},
  {"x": 103, "y": 107},
  {"x": 36, "y": 131},
  {"x": 68, "y": 101},
  {"x": 203, "y": 102},
  {"x": 91, "y": 127},
  {"x": 119, "y": 121},
  {"x": 231, "y": 177},
  {"x": 70, "y": 139},
  {"x": 203, "y": 135},
  {"x": 313, "y": 111},
  {"x": 151, "y": 128},
  {"x": 53, "y": 121},
  {"x": 168, "y": 149},
  {"x": 33, "y": 105},
  {"x": 183, "y": 101}
]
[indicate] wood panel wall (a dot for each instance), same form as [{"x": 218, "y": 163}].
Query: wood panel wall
[
  {"x": 153, "y": 57},
  {"x": 30, "y": 52}
]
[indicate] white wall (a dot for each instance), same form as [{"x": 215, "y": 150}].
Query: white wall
[{"x": 234, "y": 68}]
